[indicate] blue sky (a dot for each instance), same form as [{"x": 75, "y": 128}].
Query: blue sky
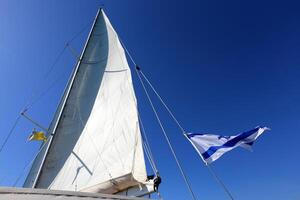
[{"x": 222, "y": 66}]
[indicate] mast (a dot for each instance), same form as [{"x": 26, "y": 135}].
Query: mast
[{"x": 64, "y": 100}]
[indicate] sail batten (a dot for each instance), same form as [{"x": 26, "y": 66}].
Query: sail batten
[{"x": 97, "y": 142}]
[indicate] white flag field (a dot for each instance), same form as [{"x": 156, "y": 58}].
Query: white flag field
[{"x": 211, "y": 147}]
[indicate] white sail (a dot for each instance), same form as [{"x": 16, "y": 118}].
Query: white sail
[{"x": 96, "y": 145}]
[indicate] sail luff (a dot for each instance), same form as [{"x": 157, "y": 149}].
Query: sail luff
[{"x": 64, "y": 100}]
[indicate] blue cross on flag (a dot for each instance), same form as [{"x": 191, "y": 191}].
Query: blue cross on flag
[{"x": 211, "y": 147}]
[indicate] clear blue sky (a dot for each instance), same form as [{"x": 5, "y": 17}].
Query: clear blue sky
[{"x": 222, "y": 66}]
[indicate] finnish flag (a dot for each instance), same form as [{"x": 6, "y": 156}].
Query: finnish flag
[{"x": 211, "y": 147}]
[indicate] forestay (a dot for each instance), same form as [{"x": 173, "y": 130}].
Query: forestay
[{"x": 96, "y": 145}]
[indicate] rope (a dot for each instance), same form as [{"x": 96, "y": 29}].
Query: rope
[
  {"x": 161, "y": 126},
  {"x": 10, "y": 133},
  {"x": 151, "y": 158},
  {"x": 32, "y": 99},
  {"x": 183, "y": 131},
  {"x": 167, "y": 139},
  {"x": 220, "y": 181},
  {"x": 176, "y": 121},
  {"x": 46, "y": 75},
  {"x": 80, "y": 32},
  {"x": 148, "y": 156},
  {"x": 42, "y": 94},
  {"x": 73, "y": 52},
  {"x": 147, "y": 80},
  {"x": 28, "y": 164},
  {"x": 146, "y": 142},
  {"x": 162, "y": 101},
  {"x": 147, "y": 147}
]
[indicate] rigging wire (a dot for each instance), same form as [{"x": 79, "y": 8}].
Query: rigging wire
[
  {"x": 43, "y": 93},
  {"x": 155, "y": 170},
  {"x": 162, "y": 101},
  {"x": 143, "y": 131},
  {"x": 148, "y": 156},
  {"x": 73, "y": 52},
  {"x": 30, "y": 101},
  {"x": 147, "y": 147},
  {"x": 29, "y": 164},
  {"x": 33, "y": 98},
  {"x": 167, "y": 138},
  {"x": 10, "y": 133},
  {"x": 160, "y": 124},
  {"x": 34, "y": 94},
  {"x": 219, "y": 181},
  {"x": 184, "y": 133}
]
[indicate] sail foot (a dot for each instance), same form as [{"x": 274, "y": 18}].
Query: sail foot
[
  {"x": 140, "y": 190},
  {"x": 124, "y": 185}
]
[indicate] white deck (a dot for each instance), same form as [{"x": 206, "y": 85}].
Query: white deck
[{"x": 43, "y": 194}]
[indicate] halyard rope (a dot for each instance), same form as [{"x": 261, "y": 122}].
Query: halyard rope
[
  {"x": 162, "y": 101},
  {"x": 147, "y": 147},
  {"x": 161, "y": 126},
  {"x": 167, "y": 139}
]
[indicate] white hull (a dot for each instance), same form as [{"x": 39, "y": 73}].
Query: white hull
[{"x": 43, "y": 194}]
